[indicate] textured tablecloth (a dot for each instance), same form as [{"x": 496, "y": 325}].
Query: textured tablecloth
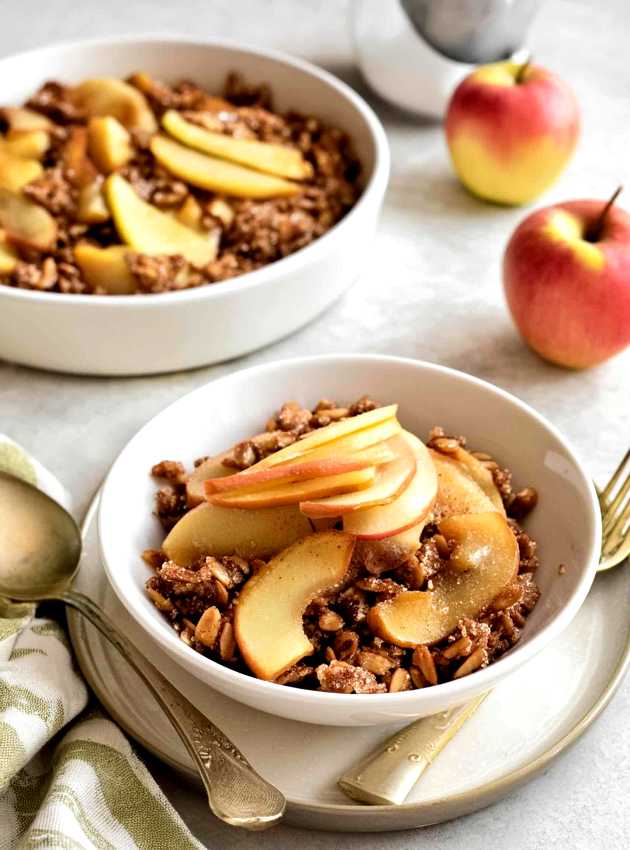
[{"x": 432, "y": 291}]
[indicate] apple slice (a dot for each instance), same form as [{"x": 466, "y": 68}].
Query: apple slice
[
  {"x": 211, "y": 467},
  {"x": 31, "y": 144},
  {"x": 290, "y": 494},
  {"x": 8, "y": 257},
  {"x": 91, "y": 207},
  {"x": 214, "y": 530},
  {"x": 218, "y": 175},
  {"x": 150, "y": 231},
  {"x": 109, "y": 143},
  {"x": 110, "y": 96},
  {"x": 23, "y": 120},
  {"x": 411, "y": 507},
  {"x": 16, "y": 172},
  {"x": 484, "y": 559},
  {"x": 26, "y": 224},
  {"x": 480, "y": 474},
  {"x": 272, "y": 159},
  {"x": 391, "y": 479},
  {"x": 458, "y": 492},
  {"x": 335, "y": 431},
  {"x": 105, "y": 268},
  {"x": 356, "y": 443},
  {"x": 253, "y": 479},
  {"x": 268, "y": 614},
  {"x": 190, "y": 213},
  {"x": 277, "y": 476}
]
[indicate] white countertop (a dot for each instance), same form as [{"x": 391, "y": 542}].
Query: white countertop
[{"x": 432, "y": 291}]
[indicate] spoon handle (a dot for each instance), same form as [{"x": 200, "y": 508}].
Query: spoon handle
[{"x": 237, "y": 794}]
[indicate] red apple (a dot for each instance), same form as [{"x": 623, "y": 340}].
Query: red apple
[
  {"x": 511, "y": 129},
  {"x": 566, "y": 273}
]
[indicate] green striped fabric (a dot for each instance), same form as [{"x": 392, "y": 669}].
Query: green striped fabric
[{"x": 69, "y": 779}]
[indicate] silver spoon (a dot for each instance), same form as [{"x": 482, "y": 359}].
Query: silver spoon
[{"x": 40, "y": 548}]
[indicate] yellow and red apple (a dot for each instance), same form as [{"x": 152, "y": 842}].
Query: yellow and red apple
[
  {"x": 566, "y": 273},
  {"x": 511, "y": 129}
]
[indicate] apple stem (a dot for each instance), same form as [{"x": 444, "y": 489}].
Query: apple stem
[
  {"x": 523, "y": 69},
  {"x": 596, "y": 230}
]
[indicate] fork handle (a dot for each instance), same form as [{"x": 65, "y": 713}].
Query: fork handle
[
  {"x": 237, "y": 794},
  {"x": 388, "y": 774}
]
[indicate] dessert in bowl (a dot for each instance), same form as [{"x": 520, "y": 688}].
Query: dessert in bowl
[
  {"x": 334, "y": 568},
  {"x": 222, "y": 179}
]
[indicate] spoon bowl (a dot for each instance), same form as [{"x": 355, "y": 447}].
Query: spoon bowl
[{"x": 40, "y": 543}]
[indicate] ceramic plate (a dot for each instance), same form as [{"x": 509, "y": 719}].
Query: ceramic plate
[{"x": 564, "y": 688}]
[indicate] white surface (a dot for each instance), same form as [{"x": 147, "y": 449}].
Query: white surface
[
  {"x": 566, "y": 524},
  {"x": 182, "y": 330},
  {"x": 432, "y": 290},
  {"x": 522, "y": 718}
]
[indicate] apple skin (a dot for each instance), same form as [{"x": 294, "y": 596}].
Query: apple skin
[
  {"x": 510, "y": 140},
  {"x": 569, "y": 297}
]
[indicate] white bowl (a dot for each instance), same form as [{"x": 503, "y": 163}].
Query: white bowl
[
  {"x": 566, "y": 522},
  {"x": 144, "y": 334}
]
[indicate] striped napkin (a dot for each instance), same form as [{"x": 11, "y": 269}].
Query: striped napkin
[{"x": 69, "y": 779}]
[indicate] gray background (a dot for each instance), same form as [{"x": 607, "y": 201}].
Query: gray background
[{"x": 432, "y": 291}]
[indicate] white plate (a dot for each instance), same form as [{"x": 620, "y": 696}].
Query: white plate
[{"x": 527, "y": 721}]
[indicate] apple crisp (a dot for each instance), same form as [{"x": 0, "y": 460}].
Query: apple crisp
[
  {"x": 284, "y": 561},
  {"x": 115, "y": 187}
]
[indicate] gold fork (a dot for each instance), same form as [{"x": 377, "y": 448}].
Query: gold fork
[
  {"x": 388, "y": 774},
  {"x": 614, "y": 502}
]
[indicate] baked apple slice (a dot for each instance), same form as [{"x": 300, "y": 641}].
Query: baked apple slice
[
  {"x": 268, "y": 614},
  {"x": 31, "y": 144},
  {"x": 109, "y": 143},
  {"x": 151, "y": 231},
  {"x": 190, "y": 213},
  {"x": 105, "y": 268},
  {"x": 294, "y": 493},
  {"x": 110, "y": 96},
  {"x": 211, "y": 467},
  {"x": 26, "y": 225},
  {"x": 8, "y": 257},
  {"x": 484, "y": 559},
  {"x": 91, "y": 206},
  {"x": 272, "y": 159},
  {"x": 218, "y": 175},
  {"x": 412, "y": 506},
  {"x": 23, "y": 120},
  {"x": 298, "y": 470},
  {"x": 391, "y": 480},
  {"x": 329, "y": 438},
  {"x": 480, "y": 474},
  {"x": 458, "y": 493},
  {"x": 16, "y": 172},
  {"x": 214, "y": 530},
  {"x": 356, "y": 443}
]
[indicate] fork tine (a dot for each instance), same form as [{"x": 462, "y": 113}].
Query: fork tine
[
  {"x": 617, "y": 532},
  {"x": 617, "y": 504},
  {"x": 605, "y": 493}
]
